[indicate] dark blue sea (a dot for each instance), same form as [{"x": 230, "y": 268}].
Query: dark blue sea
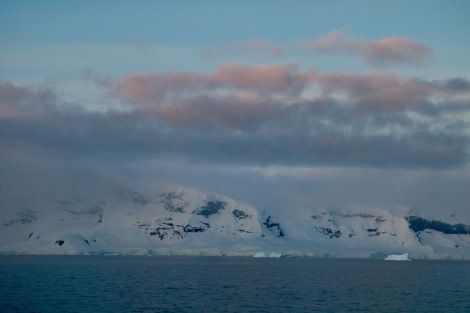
[{"x": 230, "y": 284}]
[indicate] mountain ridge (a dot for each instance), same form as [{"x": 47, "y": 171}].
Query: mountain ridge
[{"x": 187, "y": 221}]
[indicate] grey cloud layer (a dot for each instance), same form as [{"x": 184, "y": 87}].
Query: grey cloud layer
[{"x": 256, "y": 115}]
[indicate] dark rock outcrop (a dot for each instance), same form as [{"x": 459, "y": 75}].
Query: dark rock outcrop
[
  {"x": 329, "y": 232},
  {"x": 274, "y": 227},
  {"x": 211, "y": 207},
  {"x": 193, "y": 229},
  {"x": 418, "y": 224},
  {"x": 240, "y": 214}
]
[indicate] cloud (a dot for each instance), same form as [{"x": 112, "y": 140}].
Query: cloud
[
  {"x": 142, "y": 88},
  {"x": 391, "y": 50},
  {"x": 379, "y": 91},
  {"x": 238, "y": 110},
  {"x": 249, "y": 115},
  {"x": 454, "y": 85},
  {"x": 151, "y": 88},
  {"x": 278, "y": 78},
  {"x": 24, "y": 100},
  {"x": 336, "y": 41},
  {"x": 266, "y": 45},
  {"x": 396, "y": 50}
]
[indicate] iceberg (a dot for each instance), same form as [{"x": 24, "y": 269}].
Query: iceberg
[
  {"x": 260, "y": 255},
  {"x": 275, "y": 255},
  {"x": 264, "y": 255},
  {"x": 397, "y": 257}
]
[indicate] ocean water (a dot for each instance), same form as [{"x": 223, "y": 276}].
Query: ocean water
[{"x": 230, "y": 284}]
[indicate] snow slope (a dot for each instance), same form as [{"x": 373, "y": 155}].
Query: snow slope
[{"x": 187, "y": 221}]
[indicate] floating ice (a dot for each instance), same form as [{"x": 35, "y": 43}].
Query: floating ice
[
  {"x": 397, "y": 257},
  {"x": 265, "y": 255}
]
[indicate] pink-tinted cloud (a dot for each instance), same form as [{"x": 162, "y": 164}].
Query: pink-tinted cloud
[
  {"x": 390, "y": 50},
  {"x": 237, "y": 94},
  {"x": 154, "y": 89},
  {"x": 151, "y": 88},
  {"x": 281, "y": 78},
  {"x": 376, "y": 119},
  {"x": 397, "y": 50},
  {"x": 233, "y": 96},
  {"x": 336, "y": 41}
]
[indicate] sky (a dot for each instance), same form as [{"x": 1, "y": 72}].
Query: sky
[{"x": 283, "y": 105}]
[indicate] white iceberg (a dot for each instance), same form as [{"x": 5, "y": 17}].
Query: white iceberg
[
  {"x": 265, "y": 255},
  {"x": 397, "y": 257},
  {"x": 275, "y": 255},
  {"x": 260, "y": 255}
]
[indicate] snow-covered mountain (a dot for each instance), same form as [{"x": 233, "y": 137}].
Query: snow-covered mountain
[{"x": 186, "y": 221}]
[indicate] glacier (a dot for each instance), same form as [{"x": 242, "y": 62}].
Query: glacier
[{"x": 185, "y": 221}]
